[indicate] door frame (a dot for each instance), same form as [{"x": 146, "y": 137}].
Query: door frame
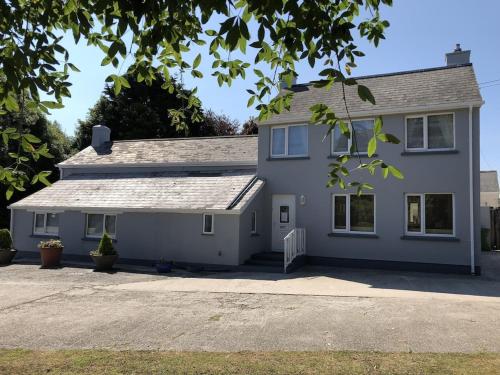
[{"x": 292, "y": 216}]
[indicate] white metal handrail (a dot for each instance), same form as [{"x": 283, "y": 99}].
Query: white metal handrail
[{"x": 295, "y": 245}]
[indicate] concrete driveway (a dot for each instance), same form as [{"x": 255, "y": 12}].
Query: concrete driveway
[{"x": 315, "y": 309}]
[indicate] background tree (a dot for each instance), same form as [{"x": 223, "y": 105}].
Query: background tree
[
  {"x": 49, "y": 133},
  {"x": 250, "y": 127},
  {"x": 281, "y": 33},
  {"x": 141, "y": 111}
]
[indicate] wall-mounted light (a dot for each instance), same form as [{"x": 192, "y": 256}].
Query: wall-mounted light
[{"x": 302, "y": 200}]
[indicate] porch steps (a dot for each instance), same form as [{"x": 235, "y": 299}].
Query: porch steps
[{"x": 266, "y": 261}]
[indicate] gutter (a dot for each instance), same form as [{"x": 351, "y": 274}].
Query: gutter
[
  {"x": 471, "y": 198},
  {"x": 245, "y": 163}
]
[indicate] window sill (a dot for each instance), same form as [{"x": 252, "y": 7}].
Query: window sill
[
  {"x": 96, "y": 239},
  {"x": 208, "y": 234},
  {"x": 40, "y": 235},
  {"x": 361, "y": 155},
  {"x": 352, "y": 234},
  {"x": 277, "y": 158},
  {"x": 429, "y": 152},
  {"x": 430, "y": 238},
  {"x": 254, "y": 234}
]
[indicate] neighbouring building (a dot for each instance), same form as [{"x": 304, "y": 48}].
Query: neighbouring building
[
  {"x": 245, "y": 199},
  {"x": 490, "y": 192}
]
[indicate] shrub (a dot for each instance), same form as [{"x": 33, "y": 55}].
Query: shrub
[
  {"x": 56, "y": 244},
  {"x": 105, "y": 246},
  {"x": 5, "y": 239}
]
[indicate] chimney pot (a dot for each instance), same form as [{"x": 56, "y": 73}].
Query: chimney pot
[{"x": 100, "y": 135}]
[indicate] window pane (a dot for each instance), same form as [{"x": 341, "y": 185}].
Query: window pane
[
  {"x": 440, "y": 129},
  {"x": 207, "y": 225},
  {"x": 284, "y": 214},
  {"x": 110, "y": 225},
  {"x": 254, "y": 222},
  {"x": 362, "y": 213},
  {"x": 52, "y": 223},
  {"x": 362, "y": 132},
  {"x": 94, "y": 224},
  {"x": 439, "y": 213},
  {"x": 340, "y": 141},
  {"x": 297, "y": 140},
  {"x": 413, "y": 212},
  {"x": 340, "y": 210},
  {"x": 39, "y": 223},
  {"x": 278, "y": 147},
  {"x": 415, "y": 132}
]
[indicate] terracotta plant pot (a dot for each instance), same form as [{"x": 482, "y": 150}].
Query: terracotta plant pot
[
  {"x": 6, "y": 255},
  {"x": 51, "y": 256},
  {"x": 104, "y": 262}
]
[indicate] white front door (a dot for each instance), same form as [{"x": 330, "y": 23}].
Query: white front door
[{"x": 283, "y": 219}]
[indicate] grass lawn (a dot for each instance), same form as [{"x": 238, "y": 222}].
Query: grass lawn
[{"x": 151, "y": 362}]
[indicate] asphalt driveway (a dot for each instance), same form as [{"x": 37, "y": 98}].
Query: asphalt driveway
[{"x": 315, "y": 309}]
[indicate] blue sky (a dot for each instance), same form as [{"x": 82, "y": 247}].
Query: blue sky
[{"x": 420, "y": 34}]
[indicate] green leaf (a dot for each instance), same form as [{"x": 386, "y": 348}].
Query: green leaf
[
  {"x": 378, "y": 125},
  {"x": 9, "y": 192},
  {"x": 31, "y": 138},
  {"x": 372, "y": 146},
  {"x": 395, "y": 172},
  {"x": 52, "y": 105},
  {"x": 365, "y": 94},
  {"x": 197, "y": 61}
]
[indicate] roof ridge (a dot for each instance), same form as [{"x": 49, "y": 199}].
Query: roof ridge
[
  {"x": 403, "y": 72},
  {"x": 186, "y": 138}
]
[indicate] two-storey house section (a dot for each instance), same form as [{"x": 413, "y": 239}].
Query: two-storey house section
[{"x": 429, "y": 220}]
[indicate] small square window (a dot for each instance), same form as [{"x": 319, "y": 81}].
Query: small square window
[
  {"x": 46, "y": 223},
  {"x": 289, "y": 141},
  {"x": 361, "y": 131},
  {"x": 284, "y": 214},
  {"x": 208, "y": 223},
  {"x": 97, "y": 224}
]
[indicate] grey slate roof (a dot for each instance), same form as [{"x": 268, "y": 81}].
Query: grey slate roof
[
  {"x": 235, "y": 150},
  {"x": 403, "y": 90},
  {"x": 489, "y": 181},
  {"x": 161, "y": 192}
]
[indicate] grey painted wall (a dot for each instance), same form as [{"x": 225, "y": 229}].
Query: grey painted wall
[
  {"x": 253, "y": 243},
  {"x": 175, "y": 237},
  {"x": 424, "y": 173}
]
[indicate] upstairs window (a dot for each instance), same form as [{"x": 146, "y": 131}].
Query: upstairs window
[
  {"x": 432, "y": 132},
  {"x": 46, "y": 223},
  {"x": 97, "y": 224},
  {"x": 289, "y": 141},
  {"x": 363, "y": 131}
]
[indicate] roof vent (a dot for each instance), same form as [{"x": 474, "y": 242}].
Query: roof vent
[{"x": 457, "y": 57}]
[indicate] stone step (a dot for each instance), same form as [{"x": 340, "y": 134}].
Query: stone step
[{"x": 268, "y": 255}]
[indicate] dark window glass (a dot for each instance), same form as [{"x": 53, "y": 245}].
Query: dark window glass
[
  {"x": 362, "y": 213},
  {"x": 439, "y": 214},
  {"x": 284, "y": 214},
  {"x": 413, "y": 209},
  {"x": 362, "y": 131},
  {"x": 440, "y": 130},
  {"x": 415, "y": 132},
  {"x": 340, "y": 210},
  {"x": 208, "y": 224},
  {"x": 254, "y": 222}
]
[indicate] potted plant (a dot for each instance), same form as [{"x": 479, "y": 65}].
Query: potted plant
[
  {"x": 7, "y": 253},
  {"x": 105, "y": 255},
  {"x": 163, "y": 266},
  {"x": 50, "y": 253}
]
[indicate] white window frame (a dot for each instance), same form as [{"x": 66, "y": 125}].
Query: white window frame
[
  {"x": 44, "y": 233},
  {"x": 348, "y": 214},
  {"x": 422, "y": 215},
  {"x": 253, "y": 219},
  {"x": 286, "y": 154},
  {"x": 203, "y": 224},
  {"x": 113, "y": 236},
  {"x": 349, "y": 140},
  {"x": 426, "y": 132}
]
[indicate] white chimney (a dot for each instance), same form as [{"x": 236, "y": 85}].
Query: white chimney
[
  {"x": 100, "y": 135},
  {"x": 457, "y": 57}
]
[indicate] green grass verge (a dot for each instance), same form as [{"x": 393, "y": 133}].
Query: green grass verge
[{"x": 141, "y": 362}]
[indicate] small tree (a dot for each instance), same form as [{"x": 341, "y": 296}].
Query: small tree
[
  {"x": 105, "y": 246},
  {"x": 5, "y": 239}
]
